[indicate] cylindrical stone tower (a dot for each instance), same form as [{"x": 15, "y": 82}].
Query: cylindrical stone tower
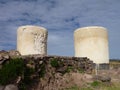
[
  {"x": 92, "y": 42},
  {"x": 32, "y": 40}
]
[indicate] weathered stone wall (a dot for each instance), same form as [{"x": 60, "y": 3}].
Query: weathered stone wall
[
  {"x": 49, "y": 70},
  {"x": 63, "y": 62},
  {"x": 82, "y": 63}
]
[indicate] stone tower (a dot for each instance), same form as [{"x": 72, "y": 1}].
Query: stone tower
[
  {"x": 32, "y": 40},
  {"x": 92, "y": 42}
]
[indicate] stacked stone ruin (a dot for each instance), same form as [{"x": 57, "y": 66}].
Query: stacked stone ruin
[{"x": 82, "y": 63}]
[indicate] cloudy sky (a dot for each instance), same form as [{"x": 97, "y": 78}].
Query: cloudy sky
[{"x": 61, "y": 18}]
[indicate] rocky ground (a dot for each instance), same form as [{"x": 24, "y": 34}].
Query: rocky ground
[
  {"x": 64, "y": 82},
  {"x": 114, "y": 74},
  {"x": 65, "y": 77},
  {"x": 81, "y": 80}
]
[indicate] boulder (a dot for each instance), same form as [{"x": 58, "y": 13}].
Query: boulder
[
  {"x": 102, "y": 78},
  {"x": 11, "y": 87},
  {"x": 14, "y": 53},
  {"x": 3, "y": 56},
  {"x": 105, "y": 79}
]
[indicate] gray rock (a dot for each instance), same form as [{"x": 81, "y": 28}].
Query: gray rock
[
  {"x": 11, "y": 87},
  {"x": 6, "y": 56},
  {"x": 13, "y": 53},
  {"x": 102, "y": 78},
  {"x": 105, "y": 79},
  {"x": 40, "y": 62},
  {"x": 62, "y": 69}
]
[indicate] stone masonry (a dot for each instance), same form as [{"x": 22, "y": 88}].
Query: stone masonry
[
  {"x": 49, "y": 67},
  {"x": 77, "y": 62}
]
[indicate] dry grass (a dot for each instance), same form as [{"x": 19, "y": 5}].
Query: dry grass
[{"x": 96, "y": 86}]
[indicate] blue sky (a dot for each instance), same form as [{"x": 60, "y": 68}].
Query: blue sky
[{"x": 61, "y": 18}]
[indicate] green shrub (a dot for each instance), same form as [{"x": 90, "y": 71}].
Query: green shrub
[
  {"x": 11, "y": 70},
  {"x": 27, "y": 75},
  {"x": 73, "y": 88},
  {"x": 42, "y": 71},
  {"x": 80, "y": 70},
  {"x": 69, "y": 69},
  {"x": 54, "y": 62},
  {"x": 27, "y": 78},
  {"x": 95, "y": 83}
]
